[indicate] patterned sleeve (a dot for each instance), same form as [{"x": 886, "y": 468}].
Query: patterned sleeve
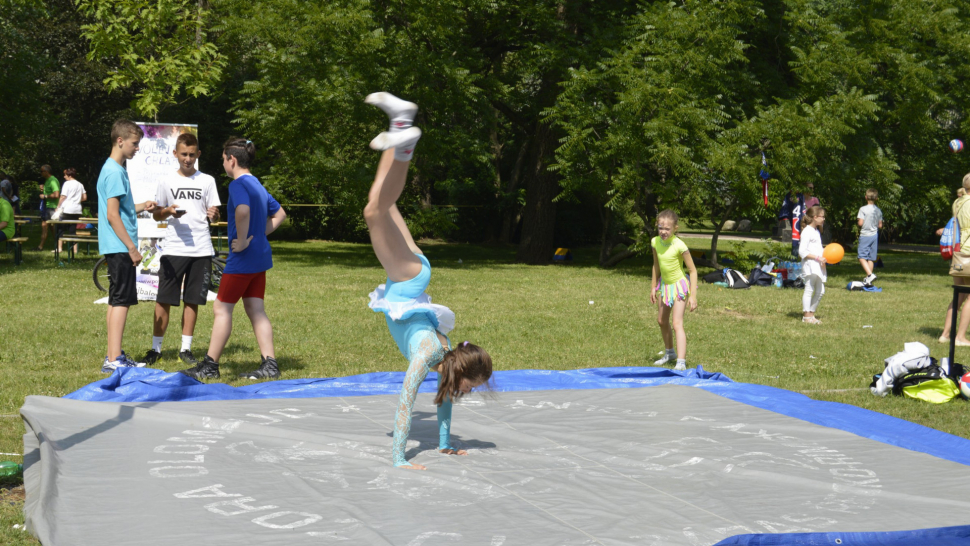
[
  {"x": 444, "y": 423},
  {"x": 425, "y": 352}
]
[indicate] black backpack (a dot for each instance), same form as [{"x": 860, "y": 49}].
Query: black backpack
[
  {"x": 759, "y": 278},
  {"x": 735, "y": 279}
]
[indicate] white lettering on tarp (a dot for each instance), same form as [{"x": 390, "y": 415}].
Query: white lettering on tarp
[
  {"x": 217, "y": 507},
  {"x": 178, "y": 471},
  {"x": 307, "y": 520},
  {"x": 286, "y": 412},
  {"x": 202, "y": 440},
  {"x": 166, "y": 449},
  {"x": 205, "y": 436},
  {"x": 194, "y": 459},
  {"x": 272, "y": 420},
  {"x": 206, "y": 492},
  {"x": 228, "y": 426},
  {"x": 540, "y": 405},
  {"x": 419, "y": 540}
]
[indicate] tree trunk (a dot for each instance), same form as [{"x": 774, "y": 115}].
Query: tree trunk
[
  {"x": 718, "y": 225},
  {"x": 510, "y": 213},
  {"x": 539, "y": 213},
  {"x": 606, "y": 218}
]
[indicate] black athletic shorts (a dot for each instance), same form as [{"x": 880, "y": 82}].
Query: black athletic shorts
[
  {"x": 194, "y": 271},
  {"x": 122, "y": 289}
]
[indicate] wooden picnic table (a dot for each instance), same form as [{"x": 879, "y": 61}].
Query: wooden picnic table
[{"x": 71, "y": 238}]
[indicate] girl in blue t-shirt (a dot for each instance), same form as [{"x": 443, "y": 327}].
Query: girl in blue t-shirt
[{"x": 418, "y": 326}]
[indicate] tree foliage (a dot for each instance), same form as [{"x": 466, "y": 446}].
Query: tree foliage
[
  {"x": 546, "y": 122},
  {"x": 158, "y": 47}
]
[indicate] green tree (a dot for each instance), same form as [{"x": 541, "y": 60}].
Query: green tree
[{"x": 158, "y": 47}]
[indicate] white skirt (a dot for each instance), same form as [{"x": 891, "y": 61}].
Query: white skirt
[{"x": 439, "y": 315}]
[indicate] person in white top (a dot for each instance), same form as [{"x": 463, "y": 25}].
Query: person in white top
[
  {"x": 813, "y": 263},
  {"x": 187, "y": 201},
  {"x": 72, "y": 194}
]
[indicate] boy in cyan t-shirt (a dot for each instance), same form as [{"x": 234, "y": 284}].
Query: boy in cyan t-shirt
[
  {"x": 118, "y": 238},
  {"x": 252, "y": 214},
  {"x": 870, "y": 222}
]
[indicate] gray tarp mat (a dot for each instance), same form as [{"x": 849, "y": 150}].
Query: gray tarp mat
[{"x": 654, "y": 466}]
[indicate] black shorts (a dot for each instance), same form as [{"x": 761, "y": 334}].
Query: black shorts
[
  {"x": 67, "y": 228},
  {"x": 122, "y": 289},
  {"x": 194, "y": 271}
]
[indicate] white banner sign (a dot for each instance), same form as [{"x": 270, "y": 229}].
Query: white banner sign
[{"x": 154, "y": 161}]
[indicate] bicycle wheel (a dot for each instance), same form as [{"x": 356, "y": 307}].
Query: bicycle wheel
[
  {"x": 215, "y": 277},
  {"x": 100, "y": 274}
]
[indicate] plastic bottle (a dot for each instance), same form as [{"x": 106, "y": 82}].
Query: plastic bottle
[{"x": 11, "y": 471}]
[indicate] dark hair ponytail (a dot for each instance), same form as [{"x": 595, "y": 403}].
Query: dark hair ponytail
[
  {"x": 243, "y": 150},
  {"x": 466, "y": 361}
]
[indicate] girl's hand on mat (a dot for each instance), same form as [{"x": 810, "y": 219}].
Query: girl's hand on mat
[
  {"x": 414, "y": 467},
  {"x": 692, "y": 303},
  {"x": 453, "y": 451},
  {"x": 239, "y": 245}
]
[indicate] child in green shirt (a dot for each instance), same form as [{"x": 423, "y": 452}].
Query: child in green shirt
[{"x": 672, "y": 292}]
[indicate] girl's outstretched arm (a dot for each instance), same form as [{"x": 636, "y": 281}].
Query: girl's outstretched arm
[
  {"x": 689, "y": 262},
  {"x": 416, "y": 373}
]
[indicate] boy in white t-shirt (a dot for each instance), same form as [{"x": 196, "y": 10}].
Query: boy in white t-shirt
[
  {"x": 187, "y": 200},
  {"x": 870, "y": 222}
]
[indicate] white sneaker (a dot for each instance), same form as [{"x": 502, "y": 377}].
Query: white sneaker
[
  {"x": 869, "y": 279},
  {"x": 398, "y": 139},
  {"x": 667, "y": 357},
  {"x": 399, "y": 111},
  {"x": 123, "y": 361},
  {"x": 680, "y": 367}
]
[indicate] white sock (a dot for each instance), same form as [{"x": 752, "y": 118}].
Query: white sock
[
  {"x": 157, "y": 343},
  {"x": 186, "y": 343},
  {"x": 400, "y": 112},
  {"x": 403, "y": 142},
  {"x": 671, "y": 352}
]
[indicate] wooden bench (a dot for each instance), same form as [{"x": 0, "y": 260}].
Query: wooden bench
[
  {"x": 18, "y": 249},
  {"x": 77, "y": 239}
]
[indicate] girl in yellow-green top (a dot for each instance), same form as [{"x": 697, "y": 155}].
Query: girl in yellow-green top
[{"x": 672, "y": 292}]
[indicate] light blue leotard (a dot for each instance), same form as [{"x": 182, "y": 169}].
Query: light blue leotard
[{"x": 416, "y": 337}]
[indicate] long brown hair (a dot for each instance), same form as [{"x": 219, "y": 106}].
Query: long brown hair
[
  {"x": 812, "y": 212},
  {"x": 466, "y": 361}
]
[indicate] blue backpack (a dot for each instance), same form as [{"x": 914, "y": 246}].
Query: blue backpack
[{"x": 950, "y": 240}]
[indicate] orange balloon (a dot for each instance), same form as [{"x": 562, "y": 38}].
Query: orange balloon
[{"x": 833, "y": 253}]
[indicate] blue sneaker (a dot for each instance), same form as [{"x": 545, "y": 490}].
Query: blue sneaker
[{"x": 123, "y": 361}]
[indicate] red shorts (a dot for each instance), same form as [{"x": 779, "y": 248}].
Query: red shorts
[{"x": 241, "y": 285}]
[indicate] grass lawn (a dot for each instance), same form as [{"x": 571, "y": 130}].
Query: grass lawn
[{"x": 52, "y": 337}]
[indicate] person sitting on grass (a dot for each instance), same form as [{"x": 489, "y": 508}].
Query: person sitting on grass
[
  {"x": 418, "y": 327},
  {"x": 252, "y": 215}
]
